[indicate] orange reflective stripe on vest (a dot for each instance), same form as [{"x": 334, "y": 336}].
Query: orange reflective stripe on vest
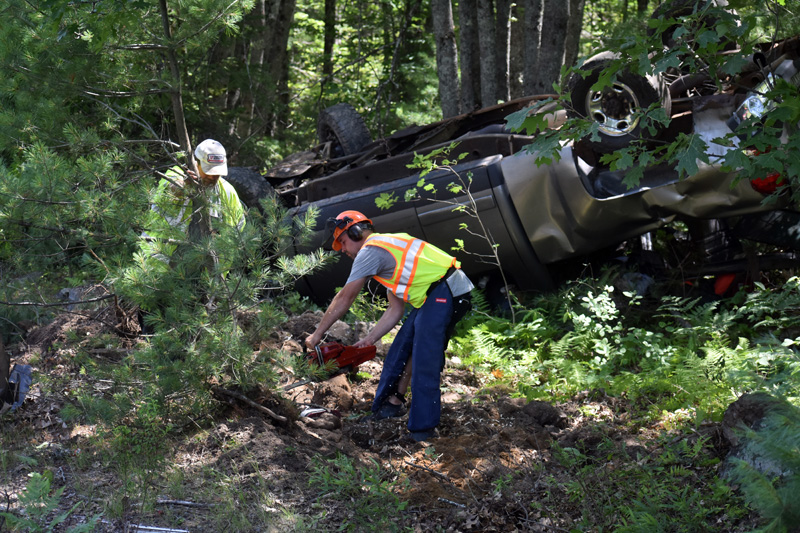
[{"x": 419, "y": 264}]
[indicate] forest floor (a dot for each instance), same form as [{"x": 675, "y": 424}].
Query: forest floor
[{"x": 497, "y": 464}]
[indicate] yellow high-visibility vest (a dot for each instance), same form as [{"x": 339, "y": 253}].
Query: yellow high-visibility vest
[{"x": 419, "y": 264}]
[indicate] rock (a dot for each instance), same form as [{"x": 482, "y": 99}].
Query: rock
[
  {"x": 340, "y": 332},
  {"x": 545, "y": 414},
  {"x": 748, "y": 411},
  {"x": 755, "y": 412},
  {"x": 327, "y": 421},
  {"x": 333, "y": 396},
  {"x": 509, "y": 406}
]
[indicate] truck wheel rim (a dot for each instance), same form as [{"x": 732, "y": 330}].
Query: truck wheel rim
[{"x": 615, "y": 109}]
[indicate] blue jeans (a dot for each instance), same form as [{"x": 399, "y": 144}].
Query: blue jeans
[{"x": 424, "y": 334}]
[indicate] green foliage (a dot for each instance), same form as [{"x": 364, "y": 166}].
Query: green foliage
[
  {"x": 196, "y": 315},
  {"x": 383, "y": 64},
  {"x": 368, "y": 307},
  {"x": 690, "y": 355},
  {"x": 670, "y": 490},
  {"x": 41, "y": 509},
  {"x": 368, "y": 492},
  {"x": 773, "y": 494}
]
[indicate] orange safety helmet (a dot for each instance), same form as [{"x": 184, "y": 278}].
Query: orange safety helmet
[{"x": 343, "y": 222}]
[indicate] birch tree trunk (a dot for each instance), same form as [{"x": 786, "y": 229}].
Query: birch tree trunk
[
  {"x": 446, "y": 57},
  {"x": 533, "y": 28},
  {"x": 468, "y": 48},
  {"x": 503, "y": 35},
  {"x": 488, "y": 58},
  {"x": 519, "y": 38}
]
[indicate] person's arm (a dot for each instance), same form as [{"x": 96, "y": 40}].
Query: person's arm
[
  {"x": 388, "y": 320},
  {"x": 336, "y": 310}
]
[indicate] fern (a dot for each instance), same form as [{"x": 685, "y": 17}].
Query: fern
[
  {"x": 774, "y": 495},
  {"x": 39, "y": 502}
]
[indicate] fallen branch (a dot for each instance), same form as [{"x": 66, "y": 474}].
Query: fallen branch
[
  {"x": 183, "y": 503},
  {"x": 110, "y": 352},
  {"x": 58, "y": 304},
  {"x": 133, "y": 528},
  {"x": 137, "y": 527},
  {"x": 445, "y": 500},
  {"x": 250, "y": 402},
  {"x": 434, "y": 472}
]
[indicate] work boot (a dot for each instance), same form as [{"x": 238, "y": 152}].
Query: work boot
[
  {"x": 386, "y": 410},
  {"x": 418, "y": 437}
]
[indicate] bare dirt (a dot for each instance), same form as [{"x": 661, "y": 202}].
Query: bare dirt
[{"x": 493, "y": 466}]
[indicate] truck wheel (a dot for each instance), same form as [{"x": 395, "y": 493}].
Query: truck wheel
[
  {"x": 344, "y": 127},
  {"x": 250, "y": 185},
  {"x": 679, "y": 9},
  {"x": 615, "y": 108}
]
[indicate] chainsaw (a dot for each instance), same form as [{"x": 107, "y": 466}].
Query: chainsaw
[{"x": 345, "y": 358}]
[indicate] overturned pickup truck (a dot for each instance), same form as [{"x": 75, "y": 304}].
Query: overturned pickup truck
[{"x": 549, "y": 220}]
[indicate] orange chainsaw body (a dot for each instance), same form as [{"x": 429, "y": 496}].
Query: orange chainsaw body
[{"x": 346, "y": 358}]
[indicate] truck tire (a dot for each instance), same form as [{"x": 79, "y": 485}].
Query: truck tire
[
  {"x": 344, "y": 127},
  {"x": 614, "y": 108},
  {"x": 250, "y": 185}
]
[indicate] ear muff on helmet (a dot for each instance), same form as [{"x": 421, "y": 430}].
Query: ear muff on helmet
[
  {"x": 353, "y": 222},
  {"x": 355, "y": 232}
]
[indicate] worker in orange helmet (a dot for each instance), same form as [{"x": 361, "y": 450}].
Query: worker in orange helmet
[{"x": 414, "y": 272}]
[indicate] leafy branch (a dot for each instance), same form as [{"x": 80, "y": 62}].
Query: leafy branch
[{"x": 461, "y": 200}]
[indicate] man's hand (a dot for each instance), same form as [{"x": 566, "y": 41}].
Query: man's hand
[
  {"x": 312, "y": 341},
  {"x": 389, "y": 319},
  {"x": 193, "y": 178},
  {"x": 336, "y": 310}
]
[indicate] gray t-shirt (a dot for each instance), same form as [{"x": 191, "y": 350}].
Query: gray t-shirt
[
  {"x": 376, "y": 261},
  {"x": 372, "y": 261}
]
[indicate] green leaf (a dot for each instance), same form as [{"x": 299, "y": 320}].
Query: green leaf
[
  {"x": 529, "y": 120},
  {"x": 694, "y": 151},
  {"x": 386, "y": 200}
]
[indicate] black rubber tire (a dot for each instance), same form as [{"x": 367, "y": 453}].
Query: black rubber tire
[
  {"x": 342, "y": 125},
  {"x": 678, "y": 9},
  {"x": 250, "y": 185},
  {"x": 615, "y": 107}
]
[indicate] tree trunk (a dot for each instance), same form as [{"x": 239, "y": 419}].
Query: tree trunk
[
  {"x": 279, "y": 21},
  {"x": 503, "y": 35},
  {"x": 395, "y": 46},
  {"x": 200, "y": 225},
  {"x": 249, "y": 49},
  {"x": 551, "y": 51},
  {"x": 641, "y": 6},
  {"x": 574, "y": 26},
  {"x": 488, "y": 60},
  {"x": 329, "y": 38},
  {"x": 5, "y": 365},
  {"x": 468, "y": 48},
  {"x": 446, "y": 57},
  {"x": 533, "y": 30},
  {"x": 519, "y": 37}
]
